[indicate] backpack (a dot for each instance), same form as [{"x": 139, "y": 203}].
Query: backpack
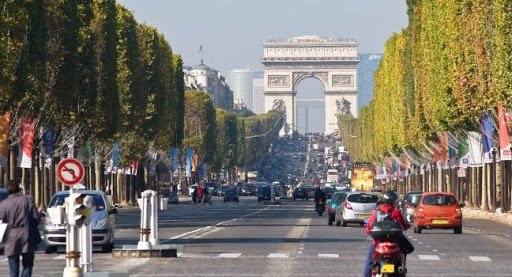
[{"x": 200, "y": 191}]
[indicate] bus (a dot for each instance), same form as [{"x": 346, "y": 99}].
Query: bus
[
  {"x": 332, "y": 176},
  {"x": 361, "y": 177}
]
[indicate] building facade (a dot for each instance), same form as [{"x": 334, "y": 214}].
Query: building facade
[
  {"x": 204, "y": 78},
  {"x": 368, "y": 63},
  {"x": 240, "y": 81},
  {"x": 258, "y": 96}
]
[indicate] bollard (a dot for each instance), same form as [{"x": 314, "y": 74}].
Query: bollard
[
  {"x": 153, "y": 223},
  {"x": 144, "y": 205},
  {"x": 272, "y": 194}
]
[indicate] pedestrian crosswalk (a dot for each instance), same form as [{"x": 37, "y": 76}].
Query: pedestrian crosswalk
[{"x": 343, "y": 256}]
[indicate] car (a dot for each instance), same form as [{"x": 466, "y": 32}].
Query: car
[
  {"x": 438, "y": 210},
  {"x": 231, "y": 195},
  {"x": 408, "y": 204},
  {"x": 191, "y": 189},
  {"x": 263, "y": 192},
  {"x": 357, "y": 207},
  {"x": 247, "y": 189},
  {"x": 103, "y": 222},
  {"x": 211, "y": 188},
  {"x": 329, "y": 191},
  {"x": 222, "y": 190},
  {"x": 333, "y": 208},
  {"x": 301, "y": 193}
]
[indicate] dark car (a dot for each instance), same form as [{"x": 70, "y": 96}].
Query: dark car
[
  {"x": 263, "y": 192},
  {"x": 409, "y": 203},
  {"x": 329, "y": 191},
  {"x": 248, "y": 189},
  {"x": 231, "y": 195},
  {"x": 301, "y": 193}
]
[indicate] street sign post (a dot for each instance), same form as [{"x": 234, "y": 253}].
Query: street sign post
[{"x": 70, "y": 172}]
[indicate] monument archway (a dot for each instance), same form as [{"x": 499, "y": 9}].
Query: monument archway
[{"x": 332, "y": 61}]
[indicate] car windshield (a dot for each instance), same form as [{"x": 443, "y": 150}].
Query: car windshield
[
  {"x": 58, "y": 200},
  {"x": 413, "y": 198},
  {"x": 337, "y": 198},
  {"x": 439, "y": 200},
  {"x": 362, "y": 198}
]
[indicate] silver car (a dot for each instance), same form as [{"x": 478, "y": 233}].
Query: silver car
[
  {"x": 102, "y": 222},
  {"x": 357, "y": 207}
]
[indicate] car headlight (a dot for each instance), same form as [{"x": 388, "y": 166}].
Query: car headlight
[{"x": 101, "y": 223}]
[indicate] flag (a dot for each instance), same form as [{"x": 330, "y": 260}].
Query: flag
[
  {"x": 174, "y": 157},
  {"x": 463, "y": 153},
  {"x": 475, "y": 149},
  {"x": 134, "y": 167},
  {"x": 49, "y": 145},
  {"x": 189, "y": 152},
  {"x": 5, "y": 121},
  {"x": 195, "y": 161},
  {"x": 26, "y": 142},
  {"x": 152, "y": 162},
  {"x": 115, "y": 158},
  {"x": 505, "y": 152},
  {"x": 488, "y": 131}
]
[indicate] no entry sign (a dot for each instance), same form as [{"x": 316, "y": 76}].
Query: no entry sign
[{"x": 70, "y": 172}]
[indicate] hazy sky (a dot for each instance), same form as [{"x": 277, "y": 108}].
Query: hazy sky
[{"x": 232, "y": 31}]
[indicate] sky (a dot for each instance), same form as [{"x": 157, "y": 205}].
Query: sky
[{"x": 232, "y": 32}]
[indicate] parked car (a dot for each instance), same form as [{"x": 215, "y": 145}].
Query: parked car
[
  {"x": 231, "y": 195},
  {"x": 333, "y": 208},
  {"x": 329, "y": 191},
  {"x": 357, "y": 207},
  {"x": 247, "y": 189},
  {"x": 222, "y": 190},
  {"x": 301, "y": 193},
  {"x": 102, "y": 222},
  {"x": 438, "y": 210}
]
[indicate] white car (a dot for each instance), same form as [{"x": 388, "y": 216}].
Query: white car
[{"x": 357, "y": 207}]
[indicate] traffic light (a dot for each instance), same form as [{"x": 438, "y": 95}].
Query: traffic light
[{"x": 78, "y": 212}]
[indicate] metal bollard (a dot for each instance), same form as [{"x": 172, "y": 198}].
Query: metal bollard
[{"x": 153, "y": 236}]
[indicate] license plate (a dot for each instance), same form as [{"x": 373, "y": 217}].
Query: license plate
[
  {"x": 387, "y": 268},
  {"x": 363, "y": 216},
  {"x": 440, "y": 221}
]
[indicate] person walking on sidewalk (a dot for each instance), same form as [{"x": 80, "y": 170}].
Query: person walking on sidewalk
[{"x": 19, "y": 212}]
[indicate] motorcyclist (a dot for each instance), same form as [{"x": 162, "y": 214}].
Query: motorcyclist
[
  {"x": 319, "y": 197},
  {"x": 386, "y": 205}
]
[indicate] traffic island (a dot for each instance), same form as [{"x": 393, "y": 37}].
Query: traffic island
[
  {"x": 156, "y": 251},
  {"x": 90, "y": 274}
]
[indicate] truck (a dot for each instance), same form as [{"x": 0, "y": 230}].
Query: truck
[
  {"x": 361, "y": 176},
  {"x": 332, "y": 176}
]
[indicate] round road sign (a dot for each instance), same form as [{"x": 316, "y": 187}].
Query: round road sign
[{"x": 70, "y": 172}]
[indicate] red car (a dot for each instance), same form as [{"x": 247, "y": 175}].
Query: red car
[{"x": 438, "y": 210}]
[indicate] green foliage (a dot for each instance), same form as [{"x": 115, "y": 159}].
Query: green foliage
[{"x": 199, "y": 131}]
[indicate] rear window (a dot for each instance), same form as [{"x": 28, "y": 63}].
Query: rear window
[
  {"x": 414, "y": 198},
  {"x": 439, "y": 200},
  {"x": 58, "y": 200},
  {"x": 362, "y": 198}
]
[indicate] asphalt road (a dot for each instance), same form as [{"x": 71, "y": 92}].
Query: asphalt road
[{"x": 251, "y": 239}]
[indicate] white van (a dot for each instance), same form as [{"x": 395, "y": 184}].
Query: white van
[{"x": 332, "y": 176}]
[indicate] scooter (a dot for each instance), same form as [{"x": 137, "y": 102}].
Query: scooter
[
  {"x": 389, "y": 259},
  {"x": 320, "y": 207}
]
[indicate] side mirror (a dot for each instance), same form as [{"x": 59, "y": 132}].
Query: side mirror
[
  {"x": 113, "y": 211},
  {"x": 462, "y": 205},
  {"x": 42, "y": 214}
]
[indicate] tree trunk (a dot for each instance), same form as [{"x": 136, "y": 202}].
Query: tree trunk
[
  {"x": 97, "y": 172},
  {"x": 484, "y": 204}
]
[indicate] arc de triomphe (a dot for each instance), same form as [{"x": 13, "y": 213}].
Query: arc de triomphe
[{"x": 332, "y": 61}]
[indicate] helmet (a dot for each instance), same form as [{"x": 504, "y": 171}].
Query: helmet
[
  {"x": 317, "y": 187},
  {"x": 389, "y": 197}
]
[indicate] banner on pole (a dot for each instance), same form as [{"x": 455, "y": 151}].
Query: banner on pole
[
  {"x": 505, "y": 145},
  {"x": 475, "y": 149},
  {"x": 26, "y": 133},
  {"x": 189, "y": 152}
]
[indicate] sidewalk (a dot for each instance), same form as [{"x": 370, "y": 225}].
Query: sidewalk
[{"x": 476, "y": 213}]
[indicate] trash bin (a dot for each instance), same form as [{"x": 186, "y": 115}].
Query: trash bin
[{"x": 163, "y": 203}]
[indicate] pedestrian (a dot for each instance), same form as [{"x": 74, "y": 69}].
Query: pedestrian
[{"x": 19, "y": 212}]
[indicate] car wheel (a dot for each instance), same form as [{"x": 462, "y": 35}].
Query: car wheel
[
  {"x": 237, "y": 200},
  {"x": 225, "y": 200},
  {"x": 330, "y": 220},
  {"x": 338, "y": 223},
  {"x": 417, "y": 229},
  {"x": 343, "y": 223},
  {"x": 457, "y": 230},
  {"x": 259, "y": 200},
  {"x": 293, "y": 199},
  {"x": 49, "y": 249},
  {"x": 107, "y": 248}
]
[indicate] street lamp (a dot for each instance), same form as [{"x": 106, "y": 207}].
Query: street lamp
[{"x": 493, "y": 178}]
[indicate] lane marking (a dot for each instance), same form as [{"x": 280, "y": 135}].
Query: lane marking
[
  {"x": 278, "y": 255},
  {"x": 331, "y": 256},
  {"x": 434, "y": 250},
  {"x": 60, "y": 257},
  {"x": 480, "y": 258},
  {"x": 300, "y": 252},
  {"x": 429, "y": 257},
  {"x": 229, "y": 255},
  {"x": 209, "y": 227}
]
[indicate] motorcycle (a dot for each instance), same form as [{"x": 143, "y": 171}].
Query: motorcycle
[
  {"x": 320, "y": 207},
  {"x": 389, "y": 258}
]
